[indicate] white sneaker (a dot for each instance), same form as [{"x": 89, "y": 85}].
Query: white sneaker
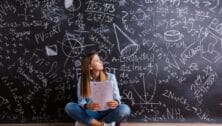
[
  {"x": 79, "y": 124},
  {"x": 105, "y": 124},
  {"x": 109, "y": 124}
]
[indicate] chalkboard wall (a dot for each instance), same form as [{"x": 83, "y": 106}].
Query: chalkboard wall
[{"x": 166, "y": 54}]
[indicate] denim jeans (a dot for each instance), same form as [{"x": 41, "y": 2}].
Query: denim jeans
[{"x": 85, "y": 116}]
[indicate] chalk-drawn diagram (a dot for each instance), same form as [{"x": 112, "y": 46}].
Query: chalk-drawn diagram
[
  {"x": 140, "y": 17},
  {"x": 51, "y": 50},
  {"x": 211, "y": 47},
  {"x": 25, "y": 14},
  {"x": 143, "y": 93},
  {"x": 144, "y": 96},
  {"x": 201, "y": 87},
  {"x": 190, "y": 51},
  {"x": 72, "y": 5},
  {"x": 170, "y": 59},
  {"x": 172, "y": 36},
  {"x": 53, "y": 14},
  {"x": 126, "y": 46},
  {"x": 71, "y": 46}
]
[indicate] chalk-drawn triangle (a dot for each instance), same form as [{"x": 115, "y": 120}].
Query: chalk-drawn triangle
[
  {"x": 172, "y": 61},
  {"x": 51, "y": 50},
  {"x": 126, "y": 46}
]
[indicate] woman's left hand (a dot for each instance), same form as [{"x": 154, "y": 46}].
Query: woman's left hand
[{"x": 112, "y": 104}]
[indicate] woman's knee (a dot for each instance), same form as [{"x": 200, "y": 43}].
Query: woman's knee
[
  {"x": 124, "y": 109},
  {"x": 70, "y": 106}
]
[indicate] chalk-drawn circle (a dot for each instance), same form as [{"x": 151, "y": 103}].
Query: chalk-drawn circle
[
  {"x": 71, "y": 48},
  {"x": 172, "y": 36},
  {"x": 129, "y": 50}
]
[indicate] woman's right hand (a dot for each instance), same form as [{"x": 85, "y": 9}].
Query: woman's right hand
[{"x": 93, "y": 106}]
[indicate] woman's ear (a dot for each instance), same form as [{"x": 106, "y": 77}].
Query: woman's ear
[{"x": 90, "y": 67}]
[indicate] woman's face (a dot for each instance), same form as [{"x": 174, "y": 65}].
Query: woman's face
[{"x": 96, "y": 63}]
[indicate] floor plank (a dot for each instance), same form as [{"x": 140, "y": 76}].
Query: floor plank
[{"x": 123, "y": 124}]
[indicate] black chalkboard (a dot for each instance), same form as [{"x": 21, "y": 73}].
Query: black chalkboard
[{"x": 166, "y": 55}]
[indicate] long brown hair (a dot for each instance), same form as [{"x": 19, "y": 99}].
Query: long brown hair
[{"x": 85, "y": 90}]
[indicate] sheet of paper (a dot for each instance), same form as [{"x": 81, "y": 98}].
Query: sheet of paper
[{"x": 102, "y": 92}]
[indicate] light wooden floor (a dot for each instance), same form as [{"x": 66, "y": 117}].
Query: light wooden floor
[{"x": 123, "y": 124}]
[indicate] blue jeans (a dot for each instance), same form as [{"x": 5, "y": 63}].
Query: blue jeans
[{"x": 85, "y": 116}]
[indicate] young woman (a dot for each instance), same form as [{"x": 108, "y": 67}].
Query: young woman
[{"x": 87, "y": 111}]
